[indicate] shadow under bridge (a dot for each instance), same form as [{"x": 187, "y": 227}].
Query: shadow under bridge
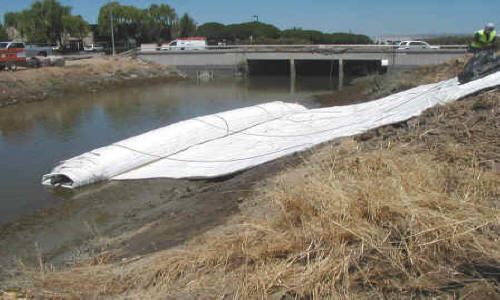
[{"x": 334, "y": 68}]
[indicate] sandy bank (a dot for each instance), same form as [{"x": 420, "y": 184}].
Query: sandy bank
[{"x": 79, "y": 76}]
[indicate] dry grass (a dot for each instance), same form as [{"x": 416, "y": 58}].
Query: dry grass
[{"x": 416, "y": 216}]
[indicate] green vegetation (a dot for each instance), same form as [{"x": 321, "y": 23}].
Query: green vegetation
[
  {"x": 156, "y": 23},
  {"x": 298, "y": 35},
  {"x": 266, "y": 33},
  {"x": 161, "y": 21},
  {"x": 258, "y": 31},
  {"x": 214, "y": 31},
  {"x": 187, "y": 26},
  {"x": 3, "y": 33},
  {"x": 47, "y": 21}
]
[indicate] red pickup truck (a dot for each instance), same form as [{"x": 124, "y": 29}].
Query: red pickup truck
[{"x": 12, "y": 54}]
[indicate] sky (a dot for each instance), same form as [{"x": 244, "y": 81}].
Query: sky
[{"x": 370, "y": 17}]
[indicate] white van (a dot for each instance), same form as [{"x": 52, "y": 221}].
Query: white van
[{"x": 191, "y": 43}]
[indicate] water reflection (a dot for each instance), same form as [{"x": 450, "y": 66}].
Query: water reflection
[{"x": 34, "y": 137}]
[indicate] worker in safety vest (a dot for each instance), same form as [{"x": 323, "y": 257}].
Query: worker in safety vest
[
  {"x": 484, "y": 39},
  {"x": 484, "y": 59}
]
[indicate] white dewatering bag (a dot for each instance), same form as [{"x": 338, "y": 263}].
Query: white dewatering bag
[
  {"x": 224, "y": 143},
  {"x": 107, "y": 162}
]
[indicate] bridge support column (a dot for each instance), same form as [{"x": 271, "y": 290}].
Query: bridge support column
[
  {"x": 341, "y": 74},
  {"x": 292, "y": 76}
]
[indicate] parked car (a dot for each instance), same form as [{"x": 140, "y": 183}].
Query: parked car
[
  {"x": 93, "y": 48},
  {"x": 192, "y": 43},
  {"x": 415, "y": 45}
]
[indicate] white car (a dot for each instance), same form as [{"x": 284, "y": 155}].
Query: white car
[
  {"x": 93, "y": 48},
  {"x": 415, "y": 45}
]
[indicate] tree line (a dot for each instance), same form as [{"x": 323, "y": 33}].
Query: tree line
[
  {"x": 261, "y": 33},
  {"x": 47, "y": 21},
  {"x": 160, "y": 23}
]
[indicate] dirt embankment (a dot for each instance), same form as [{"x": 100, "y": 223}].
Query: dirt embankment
[
  {"x": 408, "y": 210},
  {"x": 87, "y": 75}
]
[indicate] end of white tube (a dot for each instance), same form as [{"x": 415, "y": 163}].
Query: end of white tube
[{"x": 57, "y": 180}]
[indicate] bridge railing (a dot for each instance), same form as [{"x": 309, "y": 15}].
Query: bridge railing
[
  {"x": 324, "y": 46},
  {"x": 148, "y": 48}
]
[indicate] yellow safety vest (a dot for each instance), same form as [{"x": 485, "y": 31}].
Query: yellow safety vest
[{"x": 483, "y": 41}]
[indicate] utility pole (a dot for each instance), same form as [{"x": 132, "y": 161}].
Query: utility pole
[{"x": 112, "y": 33}]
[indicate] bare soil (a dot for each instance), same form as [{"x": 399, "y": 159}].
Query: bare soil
[{"x": 78, "y": 76}]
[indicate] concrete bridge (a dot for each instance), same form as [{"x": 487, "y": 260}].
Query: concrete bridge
[{"x": 241, "y": 59}]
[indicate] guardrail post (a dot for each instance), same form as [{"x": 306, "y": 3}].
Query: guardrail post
[{"x": 341, "y": 74}]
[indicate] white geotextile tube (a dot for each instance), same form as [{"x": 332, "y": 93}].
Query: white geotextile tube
[
  {"x": 106, "y": 162},
  {"x": 217, "y": 149}
]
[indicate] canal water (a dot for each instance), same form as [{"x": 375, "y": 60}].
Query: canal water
[{"x": 34, "y": 137}]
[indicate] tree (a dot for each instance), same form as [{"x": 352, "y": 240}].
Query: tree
[
  {"x": 3, "y": 34},
  {"x": 19, "y": 21},
  {"x": 258, "y": 31},
  {"x": 161, "y": 21},
  {"x": 298, "y": 35},
  {"x": 187, "y": 26},
  {"x": 213, "y": 31},
  {"x": 46, "y": 21},
  {"x": 155, "y": 23},
  {"x": 127, "y": 21},
  {"x": 76, "y": 26},
  {"x": 347, "y": 38}
]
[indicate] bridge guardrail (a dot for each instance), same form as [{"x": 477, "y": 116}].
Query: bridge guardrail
[{"x": 152, "y": 48}]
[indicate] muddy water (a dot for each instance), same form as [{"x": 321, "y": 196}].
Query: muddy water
[{"x": 35, "y": 137}]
